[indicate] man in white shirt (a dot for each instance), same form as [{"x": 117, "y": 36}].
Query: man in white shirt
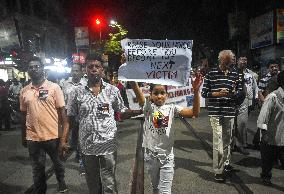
[
  {"x": 251, "y": 91},
  {"x": 271, "y": 123}
]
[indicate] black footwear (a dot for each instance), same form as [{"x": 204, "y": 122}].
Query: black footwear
[
  {"x": 266, "y": 181},
  {"x": 220, "y": 178},
  {"x": 242, "y": 150},
  {"x": 62, "y": 188},
  {"x": 229, "y": 168}
]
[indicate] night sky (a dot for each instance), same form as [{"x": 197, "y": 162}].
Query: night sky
[{"x": 204, "y": 21}]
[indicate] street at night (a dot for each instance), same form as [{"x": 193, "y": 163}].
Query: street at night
[{"x": 134, "y": 97}]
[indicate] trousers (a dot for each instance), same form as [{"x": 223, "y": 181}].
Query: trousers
[
  {"x": 37, "y": 152},
  {"x": 222, "y": 138},
  {"x": 100, "y": 173},
  {"x": 161, "y": 174}
]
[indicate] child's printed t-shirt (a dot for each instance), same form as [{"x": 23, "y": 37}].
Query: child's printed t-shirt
[{"x": 158, "y": 136}]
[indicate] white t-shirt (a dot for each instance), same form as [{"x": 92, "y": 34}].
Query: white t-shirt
[{"x": 157, "y": 135}]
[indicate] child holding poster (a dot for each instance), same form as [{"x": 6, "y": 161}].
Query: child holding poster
[{"x": 158, "y": 137}]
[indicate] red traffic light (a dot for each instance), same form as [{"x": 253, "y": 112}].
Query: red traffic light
[{"x": 98, "y": 22}]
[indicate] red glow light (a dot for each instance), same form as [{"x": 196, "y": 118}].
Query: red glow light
[{"x": 98, "y": 22}]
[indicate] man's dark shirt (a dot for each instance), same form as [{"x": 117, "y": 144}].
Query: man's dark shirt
[{"x": 216, "y": 80}]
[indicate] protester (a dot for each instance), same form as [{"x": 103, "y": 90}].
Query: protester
[
  {"x": 222, "y": 87},
  {"x": 95, "y": 104},
  {"x": 158, "y": 135},
  {"x": 273, "y": 70},
  {"x": 4, "y": 106},
  {"x": 251, "y": 93},
  {"x": 15, "y": 88},
  {"x": 68, "y": 86},
  {"x": 42, "y": 105},
  {"x": 271, "y": 123}
]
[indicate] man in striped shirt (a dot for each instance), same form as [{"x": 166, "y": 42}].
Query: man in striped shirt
[
  {"x": 95, "y": 104},
  {"x": 222, "y": 86},
  {"x": 273, "y": 69}
]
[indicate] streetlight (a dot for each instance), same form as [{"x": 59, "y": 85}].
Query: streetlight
[{"x": 113, "y": 23}]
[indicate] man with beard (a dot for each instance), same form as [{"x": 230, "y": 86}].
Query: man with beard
[
  {"x": 42, "y": 105},
  {"x": 222, "y": 86},
  {"x": 95, "y": 104}
]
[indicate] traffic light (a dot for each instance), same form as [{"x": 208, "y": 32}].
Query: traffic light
[{"x": 98, "y": 21}]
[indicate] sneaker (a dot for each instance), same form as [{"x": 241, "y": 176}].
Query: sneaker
[
  {"x": 62, "y": 188},
  {"x": 220, "y": 178},
  {"x": 229, "y": 168},
  {"x": 266, "y": 181}
]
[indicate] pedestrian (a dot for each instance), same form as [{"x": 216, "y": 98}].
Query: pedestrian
[
  {"x": 42, "y": 105},
  {"x": 15, "y": 88},
  {"x": 158, "y": 135},
  {"x": 4, "y": 106},
  {"x": 95, "y": 103},
  {"x": 271, "y": 123},
  {"x": 222, "y": 86},
  {"x": 251, "y": 93},
  {"x": 68, "y": 86},
  {"x": 273, "y": 69},
  {"x": 263, "y": 91}
]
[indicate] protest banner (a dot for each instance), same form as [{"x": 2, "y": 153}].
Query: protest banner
[
  {"x": 156, "y": 61},
  {"x": 182, "y": 96}
]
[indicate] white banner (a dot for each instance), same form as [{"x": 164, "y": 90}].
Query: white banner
[
  {"x": 182, "y": 96},
  {"x": 156, "y": 61}
]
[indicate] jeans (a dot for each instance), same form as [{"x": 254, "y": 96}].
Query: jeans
[
  {"x": 37, "y": 152},
  {"x": 161, "y": 174},
  {"x": 100, "y": 173},
  {"x": 222, "y": 138}
]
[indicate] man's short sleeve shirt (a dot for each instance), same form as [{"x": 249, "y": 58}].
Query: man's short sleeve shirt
[
  {"x": 97, "y": 126},
  {"x": 41, "y": 106}
]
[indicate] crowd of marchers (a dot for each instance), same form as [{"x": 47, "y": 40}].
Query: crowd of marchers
[{"x": 80, "y": 114}]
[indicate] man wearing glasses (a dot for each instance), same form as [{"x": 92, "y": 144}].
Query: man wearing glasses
[
  {"x": 95, "y": 103},
  {"x": 42, "y": 105}
]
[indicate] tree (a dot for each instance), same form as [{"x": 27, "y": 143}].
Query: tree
[{"x": 112, "y": 46}]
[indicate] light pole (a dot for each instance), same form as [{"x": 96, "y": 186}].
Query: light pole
[{"x": 98, "y": 23}]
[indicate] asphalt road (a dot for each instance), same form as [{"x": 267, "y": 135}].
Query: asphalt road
[{"x": 193, "y": 163}]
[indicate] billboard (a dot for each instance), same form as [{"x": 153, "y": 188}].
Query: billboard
[
  {"x": 8, "y": 35},
  {"x": 261, "y": 31},
  {"x": 79, "y": 58},
  {"x": 81, "y": 37},
  {"x": 280, "y": 26}
]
